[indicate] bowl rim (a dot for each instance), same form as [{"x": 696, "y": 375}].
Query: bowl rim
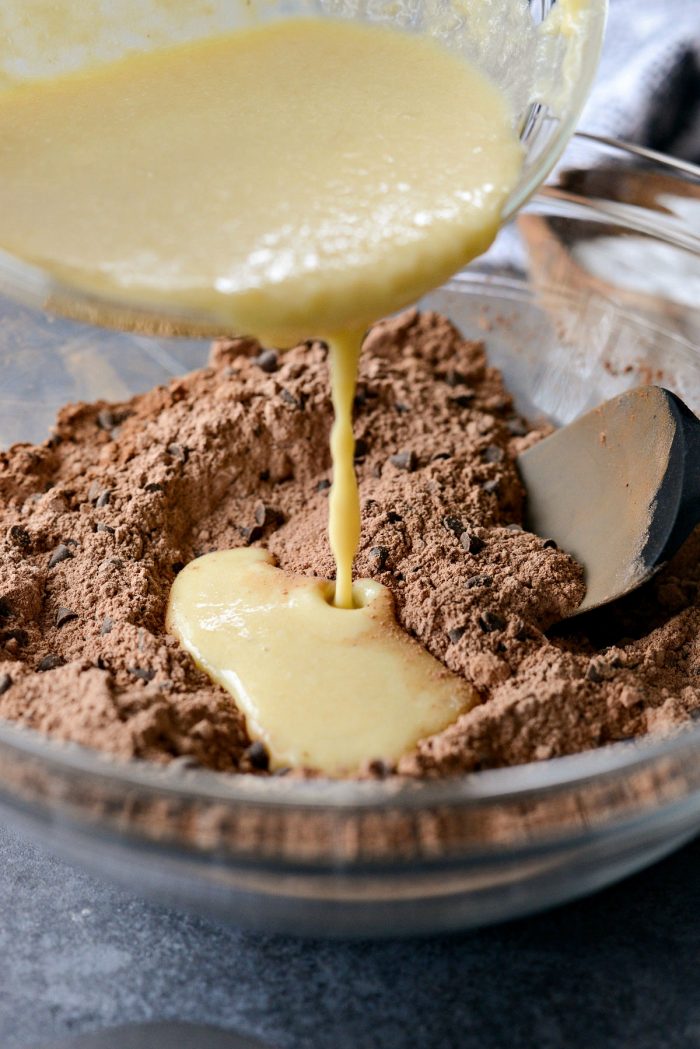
[
  {"x": 518, "y": 783},
  {"x": 664, "y": 160}
]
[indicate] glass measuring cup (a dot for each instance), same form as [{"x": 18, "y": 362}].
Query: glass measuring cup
[{"x": 542, "y": 54}]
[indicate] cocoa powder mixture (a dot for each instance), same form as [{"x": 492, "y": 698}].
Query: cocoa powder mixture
[{"x": 96, "y": 522}]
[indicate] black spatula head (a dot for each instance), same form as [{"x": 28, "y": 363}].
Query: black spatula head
[{"x": 619, "y": 488}]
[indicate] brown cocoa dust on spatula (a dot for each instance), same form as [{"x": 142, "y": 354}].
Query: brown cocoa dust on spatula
[{"x": 96, "y": 522}]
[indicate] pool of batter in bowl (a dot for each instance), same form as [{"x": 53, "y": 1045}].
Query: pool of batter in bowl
[{"x": 99, "y": 521}]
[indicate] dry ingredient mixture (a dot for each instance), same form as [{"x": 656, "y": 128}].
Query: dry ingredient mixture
[{"x": 96, "y": 522}]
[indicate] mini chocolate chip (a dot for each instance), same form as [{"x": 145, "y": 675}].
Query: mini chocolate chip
[
  {"x": 116, "y": 561},
  {"x": 379, "y": 769},
  {"x": 454, "y": 525},
  {"x": 64, "y": 615},
  {"x": 593, "y": 673},
  {"x": 177, "y": 567},
  {"x": 5, "y": 683},
  {"x": 264, "y": 475},
  {"x": 490, "y": 621},
  {"x": 402, "y": 408},
  {"x": 516, "y": 427},
  {"x": 404, "y": 461},
  {"x": 361, "y": 448},
  {"x": 105, "y": 528},
  {"x": 455, "y": 378},
  {"x": 103, "y": 499},
  {"x": 471, "y": 543},
  {"x": 257, "y": 756},
  {"x": 178, "y": 451},
  {"x": 323, "y": 485},
  {"x": 106, "y": 419},
  {"x": 381, "y": 555},
  {"x": 266, "y": 361},
  {"x": 107, "y": 624},
  {"x": 393, "y": 518},
  {"x": 290, "y": 399},
  {"x": 260, "y": 514},
  {"x": 493, "y": 454},
  {"x": 61, "y": 553},
  {"x": 517, "y": 628},
  {"x": 20, "y": 537},
  {"x": 142, "y": 673},
  {"x": 250, "y": 532},
  {"x": 50, "y": 662},
  {"x": 436, "y": 456},
  {"x": 18, "y": 637},
  {"x": 152, "y": 487},
  {"x": 456, "y": 633},
  {"x": 490, "y": 487},
  {"x": 549, "y": 544},
  {"x": 463, "y": 400}
]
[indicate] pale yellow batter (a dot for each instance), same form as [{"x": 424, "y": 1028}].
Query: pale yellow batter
[
  {"x": 321, "y": 687},
  {"x": 344, "y": 498},
  {"x": 302, "y": 178}
]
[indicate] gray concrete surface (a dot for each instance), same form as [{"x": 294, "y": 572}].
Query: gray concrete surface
[{"x": 620, "y": 970}]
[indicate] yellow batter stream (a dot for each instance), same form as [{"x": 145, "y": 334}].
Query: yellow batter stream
[{"x": 298, "y": 179}]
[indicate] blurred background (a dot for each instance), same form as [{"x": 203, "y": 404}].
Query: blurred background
[{"x": 648, "y": 85}]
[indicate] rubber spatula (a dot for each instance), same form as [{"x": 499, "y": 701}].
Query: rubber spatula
[{"x": 619, "y": 489}]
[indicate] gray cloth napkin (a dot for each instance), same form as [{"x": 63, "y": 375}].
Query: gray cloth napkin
[{"x": 648, "y": 85}]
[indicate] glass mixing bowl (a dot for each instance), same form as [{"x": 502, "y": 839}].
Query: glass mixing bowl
[
  {"x": 542, "y": 53},
  {"x": 593, "y": 289}
]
